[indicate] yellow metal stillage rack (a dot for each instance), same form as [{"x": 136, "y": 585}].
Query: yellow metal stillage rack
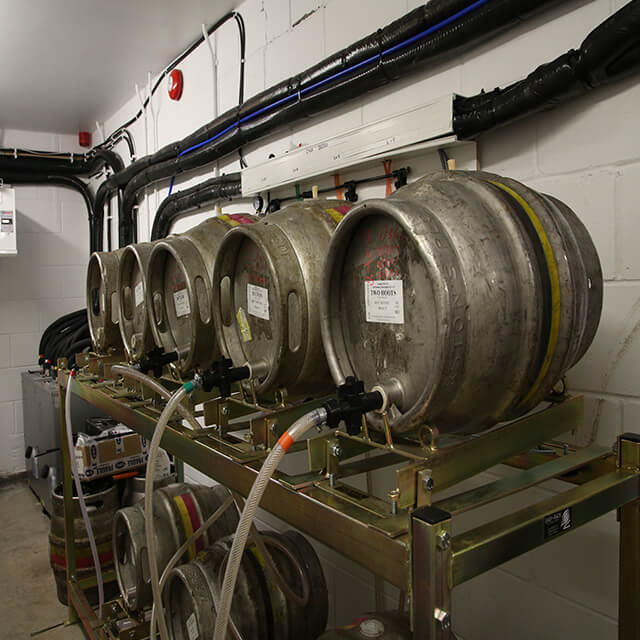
[{"x": 407, "y": 538}]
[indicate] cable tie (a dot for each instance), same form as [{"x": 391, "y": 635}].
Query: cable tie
[{"x": 15, "y": 154}]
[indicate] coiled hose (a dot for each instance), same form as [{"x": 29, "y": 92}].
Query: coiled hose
[
  {"x": 312, "y": 419},
  {"x": 83, "y": 506}
]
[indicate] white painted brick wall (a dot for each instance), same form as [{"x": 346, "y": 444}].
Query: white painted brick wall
[
  {"x": 44, "y": 281},
  {"x": 627, "y": 255},
  {"x": 587, "y": 153}
]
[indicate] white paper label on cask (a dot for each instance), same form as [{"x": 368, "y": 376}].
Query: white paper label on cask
[
  {"x": 138, "y": 294},
  {"x": 383, "y": 301},
  {"x": 181, "y": 301},
  {"x": 258, "y": 301}
]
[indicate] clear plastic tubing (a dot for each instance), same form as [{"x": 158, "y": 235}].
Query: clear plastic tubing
[
  {"x": 81, "y": 501},
  {"x": 314, "y": 418},
  {"x": 172, "y": 405},
  {"x": 180, "y": 552},
  {"x": 134, "y": 374}
]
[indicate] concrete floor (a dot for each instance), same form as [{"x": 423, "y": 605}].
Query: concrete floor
[{"x": 28, "y": 602}]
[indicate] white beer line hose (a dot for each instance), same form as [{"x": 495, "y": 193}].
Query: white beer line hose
[
  {"x": 172, "y": 405},
  {"x": 134, "y": 374},
  {"x": 312, "y": 419},
  {"x": 81, "y": 501}
]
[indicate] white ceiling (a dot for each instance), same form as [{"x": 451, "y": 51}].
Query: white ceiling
[{"x": 66, "y": 63}]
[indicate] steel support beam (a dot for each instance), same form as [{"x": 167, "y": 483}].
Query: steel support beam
[
  {"x": 430, "y": 584},
  {"x": 507, "y": 486},
  {"x": 489, "y": 545},
  {"x": 629, "y": 515}
]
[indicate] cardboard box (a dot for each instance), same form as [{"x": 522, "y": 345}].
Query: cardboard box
[{"x": 115, "y": 451}]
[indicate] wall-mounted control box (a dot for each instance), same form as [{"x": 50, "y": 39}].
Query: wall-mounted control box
[{"x": 8, "y": 242}]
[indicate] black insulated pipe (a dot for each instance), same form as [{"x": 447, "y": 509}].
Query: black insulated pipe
[
  {"x": 405, "y": 27},
  {"x": 610, "y": 52},
  {"x": 187, "y": 201},
  {"x": 55, "y": 327},
  {"x": 36, "y": 167},
  {"x": 483, "y": 22},
  {"x": 22, "y": 160}
]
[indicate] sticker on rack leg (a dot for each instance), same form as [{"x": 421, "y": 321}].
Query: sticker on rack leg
[
  {"x": 243, "y": 324},
  {"x": 383, "y": 301},
  {"x": 258, "y": 301},
  {"x": 181, "y": 301}
]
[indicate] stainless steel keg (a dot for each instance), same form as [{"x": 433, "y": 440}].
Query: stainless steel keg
[
  {"x": 266, "y": 291},
  {"x": 462, "y": 297},
  {"x": 102, "y": 300},
  {"x": 179, "y": 510},
  {"x": 260, "y": 607},
  {"x": 178, "y": 296},
  {"x": 136, "y": 333}
]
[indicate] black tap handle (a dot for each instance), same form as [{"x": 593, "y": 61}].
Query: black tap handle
[
  {"x": 351, "y": 404},
  {"x": 156, "y": 360},
  {"x": 222, "y": 375}
]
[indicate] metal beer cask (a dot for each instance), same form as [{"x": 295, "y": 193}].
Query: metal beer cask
[
  {"x": 178, "y": 295},
  {"x": 101, "y": 498},
  {"x": 260, "y": 607},
  {"x": 102, "y": 300},
  {"x": 464, "y": 296},
  {"x": 137, "y": 337},
  {"x": 179, "y": 510},
  {"x": 266, "y": 288},
  {"x": 134, "y": 488}
]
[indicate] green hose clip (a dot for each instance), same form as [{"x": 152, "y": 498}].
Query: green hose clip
[{"x": 189, "y": 387}]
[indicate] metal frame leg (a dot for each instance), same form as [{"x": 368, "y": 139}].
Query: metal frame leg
[
  {"x": 629, "y": 515},
  {"x": 430, "y": 574}
]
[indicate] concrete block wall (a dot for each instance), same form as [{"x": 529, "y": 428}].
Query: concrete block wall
[
  {"x": 44, "y": 281},
  {"x": 586, "y": 153}
]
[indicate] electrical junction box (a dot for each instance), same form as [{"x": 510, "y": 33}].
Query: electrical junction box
[{"x": 8, "y": 243}]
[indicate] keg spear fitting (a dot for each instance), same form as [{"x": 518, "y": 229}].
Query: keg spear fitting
[
  {"x": 351, "y": 404},
  {"x": 155, "y": 361}
]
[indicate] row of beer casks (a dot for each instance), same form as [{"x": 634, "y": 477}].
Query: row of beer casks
[{"x": 462, "y": 297}]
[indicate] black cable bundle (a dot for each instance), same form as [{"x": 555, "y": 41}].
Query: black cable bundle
[
  {"x": 610, "y": 52},
  {"x": 407, "y": 44},
  {"x": 64, "y": 338},
  {"x": 183, "y": 202}
]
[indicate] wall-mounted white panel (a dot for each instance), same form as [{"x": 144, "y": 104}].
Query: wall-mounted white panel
[
  {"x": 8, "y": 244},
  {"x": 426, "y": 122}
]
